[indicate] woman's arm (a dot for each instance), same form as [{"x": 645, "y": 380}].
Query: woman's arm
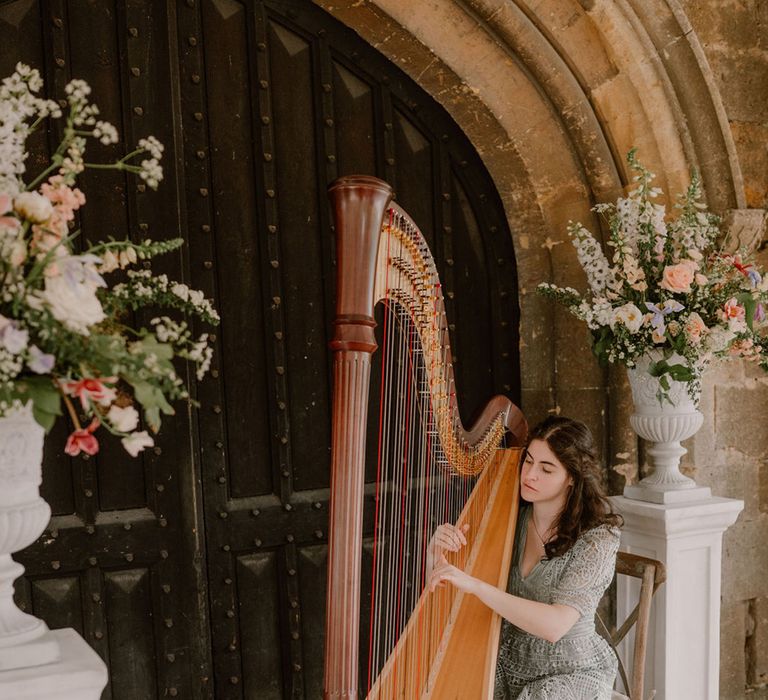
[{"x": 549, "y": 622}]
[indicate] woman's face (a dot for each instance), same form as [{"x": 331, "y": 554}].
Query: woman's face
[{"x": 543, "y": 478}]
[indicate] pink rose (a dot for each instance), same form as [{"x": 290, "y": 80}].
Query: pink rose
[{"x": 678, "y": 278}]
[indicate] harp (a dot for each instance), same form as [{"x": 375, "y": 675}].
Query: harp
[{"x": 420, "y": 644}]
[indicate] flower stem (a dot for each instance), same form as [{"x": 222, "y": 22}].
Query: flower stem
[{"x": 70, "y": 409}]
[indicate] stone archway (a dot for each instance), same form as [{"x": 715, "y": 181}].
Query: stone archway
[{"x": 553, "y": 94}]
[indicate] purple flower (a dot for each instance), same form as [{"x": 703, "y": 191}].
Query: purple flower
[
  {"x": 13, "y": 339},
  {"x": 754, "y": 277},
  {"x": 40, "y": 362},
  {"x": 659, "y": 312},
  {"x": 759, "y": 313}
]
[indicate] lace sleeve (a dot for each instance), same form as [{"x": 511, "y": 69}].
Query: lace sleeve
[{"x": 589, "y": 570}]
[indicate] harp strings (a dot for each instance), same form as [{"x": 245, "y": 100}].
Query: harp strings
[{"x": 423, "y": 479}]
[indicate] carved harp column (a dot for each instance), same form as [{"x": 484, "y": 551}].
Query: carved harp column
[
  {"x": 359, "y": 204},
  {"x": 382, "y": 256}
]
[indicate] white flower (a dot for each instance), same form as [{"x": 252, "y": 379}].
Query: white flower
[
  {"x": 136, "y": 442},
  {"x": 719, "y": 338},
  {"x": 109, "y": 262},
  {"x": 600, "y": 275},
  {"x": 33, "y": 207},
  {"x": 737, "y": 325},
  {"x": 77, "y": 90},
  {"x": 123, "y": 419},
  {"x": 18, "y": 252},
  {"x": 105, "y": 132},
  {"x": 630, "y": 316},
  {"x": 152, "y": 146},
  {"x": 181, "y": 291},
  {"x": 74, "y": 303},
  {"x": 151, "y": 172}
]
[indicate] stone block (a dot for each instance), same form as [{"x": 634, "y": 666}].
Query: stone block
[
  {"x": 745, "y": 560},
  {"x": 537, "y": 404},
  {"x": 732, "y": 476},
  {"x": 745, "y": 229},
  {"x": 732, "y": 36},
  {"x": 536, "y": 346},
  {"x": 733, "y": 673},
  {"x": 758, "y": 665},
  {"x": 762, "y": 486},
  {"x": 740, "y": 418},
  {"x": 588, "y": 406}
]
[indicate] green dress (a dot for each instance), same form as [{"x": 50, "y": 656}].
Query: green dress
[{"x": 581, "y": 665}]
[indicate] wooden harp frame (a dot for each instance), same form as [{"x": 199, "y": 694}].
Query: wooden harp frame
[{"x": 360, "y": 204}]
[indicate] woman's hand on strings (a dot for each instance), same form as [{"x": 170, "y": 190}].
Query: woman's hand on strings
[
  {"x": 449, "y": 537},
  {"x": 447, "y": 573}
]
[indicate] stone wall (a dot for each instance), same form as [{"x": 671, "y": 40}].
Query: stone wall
[{"x": 731, "y": 454}]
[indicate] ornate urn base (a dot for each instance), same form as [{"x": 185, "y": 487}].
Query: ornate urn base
[{"x": 663, "y": 422}]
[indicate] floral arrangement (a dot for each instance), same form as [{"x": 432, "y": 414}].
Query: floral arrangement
[
  {"x": 668, "y": 287},
  {"x": 65, "y": 335}
]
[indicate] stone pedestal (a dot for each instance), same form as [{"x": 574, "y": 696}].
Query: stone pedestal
[
  {"x": 79, "y": 674},
  {"x": 683, "y": 658}
]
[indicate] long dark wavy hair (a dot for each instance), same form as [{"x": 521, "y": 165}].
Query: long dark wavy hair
[{"x": 586, "y": 505}]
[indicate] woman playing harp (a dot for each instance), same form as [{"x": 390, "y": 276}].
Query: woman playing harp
[
  {"x": 565, "y": 555},
  {"x": 430, "y": 469}
]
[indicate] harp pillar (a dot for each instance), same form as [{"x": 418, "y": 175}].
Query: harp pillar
[{"x": 359, "y": 204}]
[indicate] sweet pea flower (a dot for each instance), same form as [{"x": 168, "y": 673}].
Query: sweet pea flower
[
  {"x": 136, "y": 442},
  {"x": 91, "y": 390},
  {"x": 40, "y": 362},
  {"x": 82, "y": 440},
  {"x": 123, "y": 419},
  {"x": 12, "y": 338}
]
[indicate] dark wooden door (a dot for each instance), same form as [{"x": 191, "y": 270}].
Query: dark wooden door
[{"x": 199, "y": 571}]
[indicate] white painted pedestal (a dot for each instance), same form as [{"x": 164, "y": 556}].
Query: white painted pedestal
[
  {"x": 79, "y": 674},
  {"x": 683, "y": 658}
]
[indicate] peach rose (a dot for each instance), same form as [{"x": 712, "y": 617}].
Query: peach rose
[
  {"x": 678, "y": 278},
  {"x": 695, "y": 328}
]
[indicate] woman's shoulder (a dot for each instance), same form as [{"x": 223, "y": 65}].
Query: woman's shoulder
[{"x": 603, "y": 535}]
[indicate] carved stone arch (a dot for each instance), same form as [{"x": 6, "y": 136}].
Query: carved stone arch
[{"x": 552, "y": 95}]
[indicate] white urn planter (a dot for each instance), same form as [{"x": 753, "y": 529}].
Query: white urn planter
[
  {"x": 35, "y": 662},
  {"x": 24, "y": 639},
  {"x": 663, "y": 425}
]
